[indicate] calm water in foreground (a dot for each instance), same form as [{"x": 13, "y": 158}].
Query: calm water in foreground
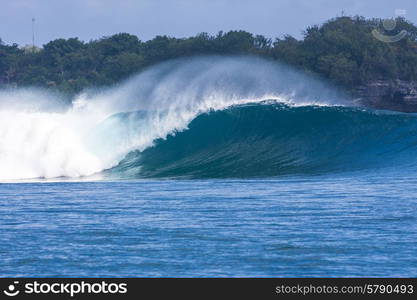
[{"x": 340, "y": 225}]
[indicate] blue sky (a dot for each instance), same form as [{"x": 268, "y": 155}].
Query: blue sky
[{"x": 92, "y": 19}]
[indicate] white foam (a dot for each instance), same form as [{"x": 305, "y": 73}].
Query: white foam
[{"x": 41, "y": 137}]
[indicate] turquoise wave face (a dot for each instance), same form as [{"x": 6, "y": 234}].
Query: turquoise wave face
[{"x": 263, "y": 140}]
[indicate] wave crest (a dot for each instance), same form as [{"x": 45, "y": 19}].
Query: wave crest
[{"x": 43, "y": 137}]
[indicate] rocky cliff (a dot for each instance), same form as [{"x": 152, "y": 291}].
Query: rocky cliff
[{"x": 395, "y": 95}]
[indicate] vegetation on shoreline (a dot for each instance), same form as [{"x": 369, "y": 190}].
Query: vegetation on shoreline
[{"x": 342, "y": 50}]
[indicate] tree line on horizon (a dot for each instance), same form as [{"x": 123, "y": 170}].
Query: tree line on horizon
[{"x": 342, "y": 50}]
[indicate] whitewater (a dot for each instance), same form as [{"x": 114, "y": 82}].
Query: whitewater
[{"x": 43, "y": 136}]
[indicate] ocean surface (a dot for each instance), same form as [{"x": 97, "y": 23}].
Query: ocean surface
[{"x": 356, "y": 224}]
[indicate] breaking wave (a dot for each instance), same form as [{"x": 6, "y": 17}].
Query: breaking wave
[{"x": 205, "y": 117}]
